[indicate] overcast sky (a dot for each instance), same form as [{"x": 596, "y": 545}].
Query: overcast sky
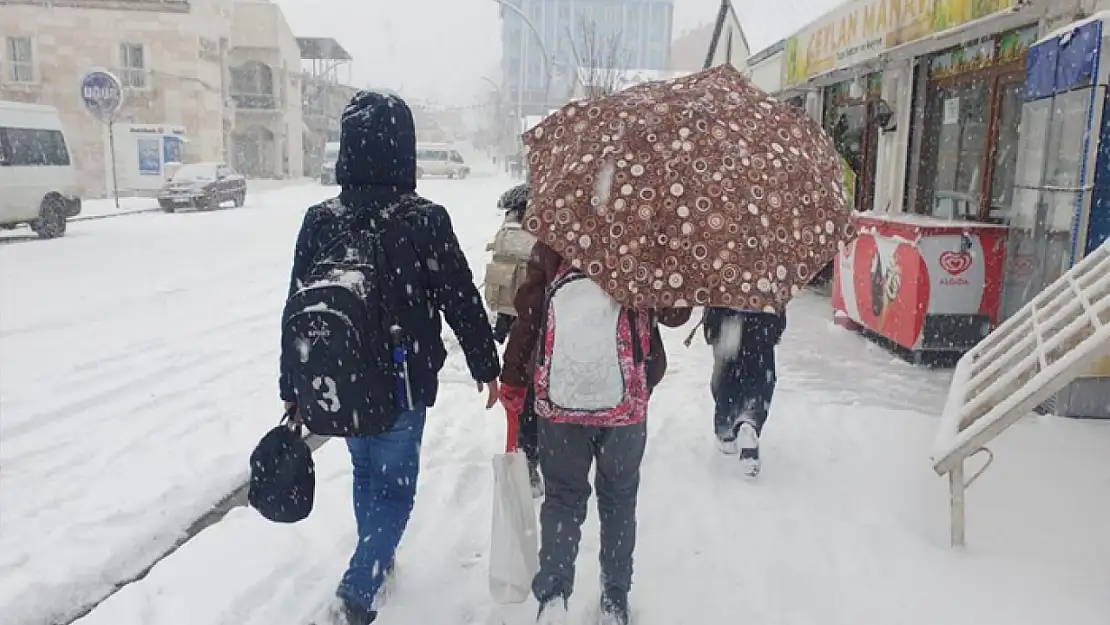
[{"x": 441, "y": 49}]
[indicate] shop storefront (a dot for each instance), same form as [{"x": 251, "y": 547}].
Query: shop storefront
[{"x": 924, "y": 102}]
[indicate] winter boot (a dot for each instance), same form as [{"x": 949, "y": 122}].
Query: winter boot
[
  {"x": 748, "y": 443},
  {"x": 726, "y": 443},
  {"x": 614, "y": 608},
  {"x": 553, "y": 611},
  {"x": 345, "y": 612},
  {"x": 535, "y": 480},
  {"x": 726, "y": 440},
  {"x": 388, "y": 587}
]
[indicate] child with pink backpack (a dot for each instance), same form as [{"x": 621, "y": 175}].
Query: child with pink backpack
[{"x": 593, "y": 364}]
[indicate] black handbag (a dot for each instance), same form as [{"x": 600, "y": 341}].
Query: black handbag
[{"x": 283, "y": 476}]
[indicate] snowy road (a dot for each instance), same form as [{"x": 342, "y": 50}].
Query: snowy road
[{"x": 138, "y": 359}]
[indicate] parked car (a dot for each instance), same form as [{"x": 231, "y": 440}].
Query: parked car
[
  {"x": 433, "y": 160},
  {"x": 203, "y": 185},
  {"x": 38, "y": 182},
  {"x": 327, "y": 168}
]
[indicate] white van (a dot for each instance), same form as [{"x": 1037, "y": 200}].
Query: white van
[
  {"x": 38, "y": 182},
  {"x": 440, "y": 160}
]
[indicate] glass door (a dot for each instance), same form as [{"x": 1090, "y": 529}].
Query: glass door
[
  {"x": 1065, "y": 172},
  {"x": 1023, "y": 277},
  {"x": 1004, "y": 157},
  {"x": 1047, "y": 196}
]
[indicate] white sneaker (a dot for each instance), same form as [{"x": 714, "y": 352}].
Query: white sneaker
[
  {"x": 748, "y": 443},
  {"x": 554, "y": 612},
  {"x": 728, "y": 448}
]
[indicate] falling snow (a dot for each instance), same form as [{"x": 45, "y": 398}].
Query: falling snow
[{"x": 847, "y": 525}]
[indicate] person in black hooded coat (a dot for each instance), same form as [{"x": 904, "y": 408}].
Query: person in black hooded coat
[{"x": 376, "y": 171}]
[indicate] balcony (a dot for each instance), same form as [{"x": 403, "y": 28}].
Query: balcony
[
  {"x": 252, "y": 88},
  {"x": 255, "y": 101}
]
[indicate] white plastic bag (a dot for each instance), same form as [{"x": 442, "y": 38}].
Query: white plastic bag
[{"x": 514, "y": 552}]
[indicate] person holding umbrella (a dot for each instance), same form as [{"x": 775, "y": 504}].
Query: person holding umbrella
[
  {"x": 574, "y": 429},
  {"x": 700, "y": 191}
]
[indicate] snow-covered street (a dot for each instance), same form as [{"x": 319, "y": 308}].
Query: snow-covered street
[{"x": 139, "y": 360}]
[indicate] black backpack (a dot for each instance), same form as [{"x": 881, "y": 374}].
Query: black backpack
[{"x": 338, "y": 336}]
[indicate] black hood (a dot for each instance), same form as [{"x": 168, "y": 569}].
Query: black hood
[
  {"x": 377, "y": 150},
  {"x": 515, "y": 201}
]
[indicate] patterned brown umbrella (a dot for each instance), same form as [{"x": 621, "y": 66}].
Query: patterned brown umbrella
[{"x": 698, "y": 191}]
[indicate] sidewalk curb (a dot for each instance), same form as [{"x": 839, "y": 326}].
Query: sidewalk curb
[
  {"x": 126, "y": 213},
  {"x": 235, "y": 499}
]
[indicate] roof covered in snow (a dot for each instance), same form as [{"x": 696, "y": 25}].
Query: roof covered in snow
[{"x": 322, "y": 49}]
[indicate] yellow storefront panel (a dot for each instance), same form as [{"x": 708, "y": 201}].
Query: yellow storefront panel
[{"x": 864, "y": 29}]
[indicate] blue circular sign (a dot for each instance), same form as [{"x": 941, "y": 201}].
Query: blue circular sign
[{"x": 102, "y": 93}]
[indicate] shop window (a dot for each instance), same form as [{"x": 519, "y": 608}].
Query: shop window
[
  {"x": 960, "y": 132},
  {"x": 969, "y": 136}
]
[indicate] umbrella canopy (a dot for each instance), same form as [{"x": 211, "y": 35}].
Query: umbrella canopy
[{"x": 696, "y": 191}]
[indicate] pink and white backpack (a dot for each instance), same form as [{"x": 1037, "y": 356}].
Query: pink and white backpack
[{"x": 591, "y": 365}]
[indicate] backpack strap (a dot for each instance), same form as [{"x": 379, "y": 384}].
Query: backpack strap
[{"x": 638, "y": 355}]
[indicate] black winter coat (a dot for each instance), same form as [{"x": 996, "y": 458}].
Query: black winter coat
[
  {"x": 760, "y": 329},
  {"x": 377, "y": 171}
]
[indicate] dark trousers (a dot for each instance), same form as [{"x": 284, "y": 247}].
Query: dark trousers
[
  {"x": 743, "y": 384},
  {"x": 566, "y": 454}
]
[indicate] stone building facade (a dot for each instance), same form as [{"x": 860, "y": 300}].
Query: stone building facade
[
  {"x": 171, "y": 56},
  {"x": 266, "y": 101}
]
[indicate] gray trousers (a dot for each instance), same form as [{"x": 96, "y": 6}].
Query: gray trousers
[{"x": 566, "y": 453}]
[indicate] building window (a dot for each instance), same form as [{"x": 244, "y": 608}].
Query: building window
[
  {"x": 132, "y": 61},
  {"x": 252, "y": 86},
  {"x": 21, "y": 59}
]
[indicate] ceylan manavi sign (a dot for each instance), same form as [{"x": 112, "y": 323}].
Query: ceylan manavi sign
[{"x": 862, "y": 29}]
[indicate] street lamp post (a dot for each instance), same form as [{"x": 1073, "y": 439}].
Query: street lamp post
[{"x": 499, "y": 113}]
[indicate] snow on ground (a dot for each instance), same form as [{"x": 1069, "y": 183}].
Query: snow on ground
[
  {"x": 845, "y": 526},
  {"x": 97, "y": 208},
  {"x": 139, "y": 361},
  {"x": 144, "y": 380}
]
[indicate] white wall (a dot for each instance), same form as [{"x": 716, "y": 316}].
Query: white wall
[{"x": 767, "y": 74}]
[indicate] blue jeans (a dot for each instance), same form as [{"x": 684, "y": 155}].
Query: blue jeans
[{"x": 385, "y": 471}]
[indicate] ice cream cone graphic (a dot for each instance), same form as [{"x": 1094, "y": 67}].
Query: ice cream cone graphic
[{"x": 892, "y": 283}]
